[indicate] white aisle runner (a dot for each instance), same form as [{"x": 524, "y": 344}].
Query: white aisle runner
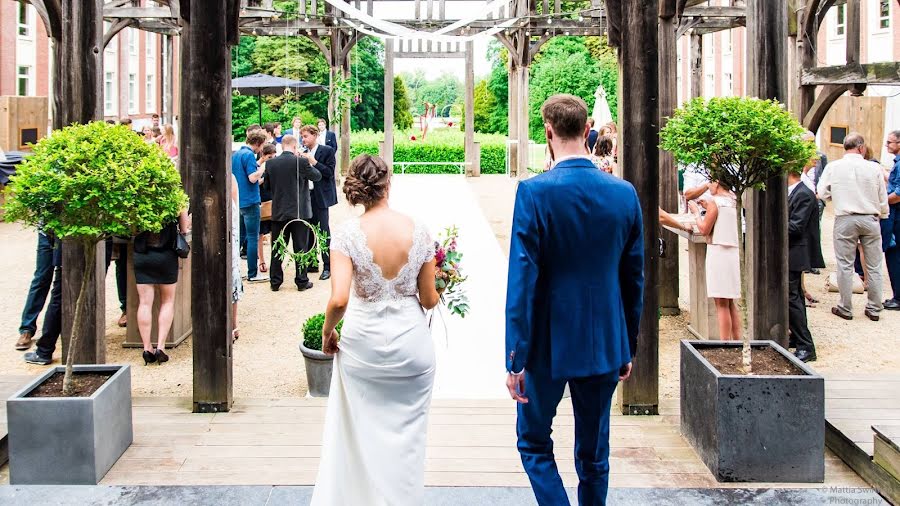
[{"x": 470, "y": 355}]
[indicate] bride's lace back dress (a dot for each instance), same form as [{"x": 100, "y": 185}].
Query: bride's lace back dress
[{"x": 373, "y": 449}]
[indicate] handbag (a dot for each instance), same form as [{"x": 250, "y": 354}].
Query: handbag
[
  {"x": 831, "y": 284},
  {"x": 182, "y": 248},
  {"x": 265, "y": 211}
]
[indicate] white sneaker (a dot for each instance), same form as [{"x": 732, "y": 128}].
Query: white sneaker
[{"x": 258, "y": 279}]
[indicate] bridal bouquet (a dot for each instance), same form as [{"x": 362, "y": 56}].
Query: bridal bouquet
[{"x": 448, "y": 278}]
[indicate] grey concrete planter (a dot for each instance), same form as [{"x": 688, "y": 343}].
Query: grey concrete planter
[
  {"x": 318, "y": 371},
  {"x": 69, "y": 440},
  {"x": 753, "y": 428}
]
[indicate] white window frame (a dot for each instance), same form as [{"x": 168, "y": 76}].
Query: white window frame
[
  {"x": 882, "y": 19},
  {"x": 840, "y": 28},
  {"x": 150, "y": 91},
  {"x": 132, "y": 93},
  {"x": 109, "y": 93},
  {"x": 132, "y": 42},
  {"x": 728, "y": 79},
  {"x": 28, "y": 81},
  {"x": 27, "y": 26},
  {"x": 150, "y": 45},
  {"x": 727, "y": 42}
]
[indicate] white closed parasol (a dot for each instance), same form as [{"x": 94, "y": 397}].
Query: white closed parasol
[{"x": 601, "y": 114}]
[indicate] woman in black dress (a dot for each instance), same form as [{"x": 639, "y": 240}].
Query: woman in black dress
[{"x": 156, "y": 267}]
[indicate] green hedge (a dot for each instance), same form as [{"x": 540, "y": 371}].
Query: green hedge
[{"x": 447, "y": 145}]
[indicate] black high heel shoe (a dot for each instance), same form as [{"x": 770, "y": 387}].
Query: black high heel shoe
[
  {"x": 161, "y": 356},
  {"x": 149, "y": 357}
]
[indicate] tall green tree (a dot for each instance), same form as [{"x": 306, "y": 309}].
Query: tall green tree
[
  {"x": 498, "y": 86},
  {"x": 564, "y": 65},
  {"x": 367, "y": 75},
  {"x": 403, "y": 119}
]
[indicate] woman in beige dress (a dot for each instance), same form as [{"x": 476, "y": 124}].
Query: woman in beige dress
[{"x": 723, "y": 263}]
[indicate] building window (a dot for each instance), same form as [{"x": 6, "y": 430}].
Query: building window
[
  {"x": 710, "y": 88},
  {"x": 150, "y": 90},
  {"x": 727, "y": 42},
  {"x": 109, "y": 93},
  {"x": 23, "y": 75},
  {"x": 132, "y": 93},
  {"x": 884, "y": 14},
  {"x": 728, "y": 85},
  {"x": 22, "y": 20},
  {"x": 132, "y": 42},
  {"x": 150, "y": 41},
  {"x": 841, "y": 25}
]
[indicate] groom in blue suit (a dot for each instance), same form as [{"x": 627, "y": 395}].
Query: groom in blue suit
[{"x": 573, "y": 303}]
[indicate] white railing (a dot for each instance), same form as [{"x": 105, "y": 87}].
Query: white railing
[{"x": 405, "y": 165}]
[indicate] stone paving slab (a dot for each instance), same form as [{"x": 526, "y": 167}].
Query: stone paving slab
[{"x": 435, "y": 496}]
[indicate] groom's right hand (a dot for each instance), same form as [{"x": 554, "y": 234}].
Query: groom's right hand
[
  {"x": 516, "y": 385},
  {"x": 625, "y": 372}
]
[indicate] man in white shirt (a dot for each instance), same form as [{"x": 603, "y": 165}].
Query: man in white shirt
[{"x": 859, "y": 193}]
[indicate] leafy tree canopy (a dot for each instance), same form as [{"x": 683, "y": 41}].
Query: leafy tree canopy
[
  {"x": 90, "y": 182},
  {"x": 403, "y": 119}
]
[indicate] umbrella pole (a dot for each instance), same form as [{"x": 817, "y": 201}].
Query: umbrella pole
[{"x": 259, "y": 101}]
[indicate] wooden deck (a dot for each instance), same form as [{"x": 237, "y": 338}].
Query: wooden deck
[
  {"x": 470, "y": 443},
  {"x": 862, "y": 427}
]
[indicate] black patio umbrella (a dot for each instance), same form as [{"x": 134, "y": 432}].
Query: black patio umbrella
[{"x": 264, "y": 84}]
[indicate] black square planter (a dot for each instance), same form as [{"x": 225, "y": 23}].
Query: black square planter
[{"x": 753, "y": 428}]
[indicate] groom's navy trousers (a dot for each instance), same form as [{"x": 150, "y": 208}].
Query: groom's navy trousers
[{"x": 591, "y": 398}]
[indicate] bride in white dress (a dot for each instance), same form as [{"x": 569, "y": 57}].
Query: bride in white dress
[{"x": 373, "y": 449}]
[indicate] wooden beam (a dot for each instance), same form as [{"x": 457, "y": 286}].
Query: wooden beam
[
  {"x": 428, "y": 54},
  {"x": 614, "y": 22},
  {"x": 77, "y": 98},
  {"x": 887, "y": 73},
  {"x": 828, "y": 95},
  {"x": 668, "y": 174},
  {"x": 715, "y": 12},
  {"x": 767, "y": 242},
  {"x": 49, "y": 12},
  {"x": 853, "y": 32},
  {"x": 696, "y": 65},
  {"x": 639, "y": 162},
  {"x": 208, "y": 154},
  {"x": 116, "y": 27},
  {"x": 112, "y": 13},
  {"x": 388, "y": 153},
  {"x": 471, "y": 157}
]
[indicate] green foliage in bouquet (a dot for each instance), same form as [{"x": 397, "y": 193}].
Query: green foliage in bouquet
[
  {"x": 86, "y": 183},
  {"x": 449, "y": 279},
  {"x": 312, "y": 331}
]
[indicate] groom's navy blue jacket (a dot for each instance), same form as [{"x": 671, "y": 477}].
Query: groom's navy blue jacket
[{"x": 576, "y": 261}]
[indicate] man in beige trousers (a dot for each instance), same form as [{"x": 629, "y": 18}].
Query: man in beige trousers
[{"x": 858, "y": 190}]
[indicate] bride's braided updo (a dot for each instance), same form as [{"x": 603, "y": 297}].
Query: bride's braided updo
[{"x": 367, "y": 181}]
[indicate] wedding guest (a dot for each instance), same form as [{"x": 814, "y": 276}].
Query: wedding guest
[
  {"x": 265, "y": 224},
  {"x": 167, "y": 141},
  {"x": 326, "y": 137},
  {"x": 288, "y": 176},
  {"x": 890, "y": 227},
  {"x": 148, "y": 135},
  {"x": 723, "y": 267},
  {"x": 592, "y": 136},
  {"x": 803, "y": 216},
  {"x": 602, "y": 154},
  {"x": 250, "y": 129},
  {"x": 248, "y": 174},
  {"x": 156, "y": 133},
  {"x": 156, "y": 268},
  {"x": 323, "y": 193},
  {"x": 41, "y": 281},
  {"x": 296, "y": 125},
  {"x": 278, "y": 134},
  {"x": 237, "y": 285},
  {"x": 858, "y": 191},
  {"x": 154, "y": 120},
  {"x": 52, "y": 327},
  {"x": 269, "y": 129}
]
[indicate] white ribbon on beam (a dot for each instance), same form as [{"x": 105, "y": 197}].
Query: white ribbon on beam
[{"x": 394, "y": 30}]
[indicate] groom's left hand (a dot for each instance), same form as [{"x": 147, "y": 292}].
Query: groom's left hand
[{"x": 516, "y": 385}]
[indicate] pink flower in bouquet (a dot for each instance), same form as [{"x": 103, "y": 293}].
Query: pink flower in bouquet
[{"x": 439, "y": 256}]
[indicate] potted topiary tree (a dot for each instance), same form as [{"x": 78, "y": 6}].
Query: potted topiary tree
[
  {"x": 751, "y": 416},
  {"x": 318, "y": 364},
  {"x": 83, "y": 184}
]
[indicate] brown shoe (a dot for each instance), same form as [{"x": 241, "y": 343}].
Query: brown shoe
[
  {"x": 872, "y": 315},
  {"x": 24, "y": 341},
  {"x": 842, "y": 313},
  {"x": 123, "y": 320}
]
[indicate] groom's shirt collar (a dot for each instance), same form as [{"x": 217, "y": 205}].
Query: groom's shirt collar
[{"x": 570, "y": 157}]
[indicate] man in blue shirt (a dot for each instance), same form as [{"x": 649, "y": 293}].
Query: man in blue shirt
[
  {"x": 890, "y": 228},
  {"x": 248, "y": 174}
]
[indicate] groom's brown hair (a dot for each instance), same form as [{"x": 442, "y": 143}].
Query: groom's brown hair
[{"x": 566, "y": 115}]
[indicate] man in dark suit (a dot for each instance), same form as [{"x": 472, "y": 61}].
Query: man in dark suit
[
  {"x": 287, "y": 178},
  {"x": 326, "y": 136},
  {"x": 323, "y": 193},
  {"x": 573, "y": 322},
  {"x": 803, "y": 216},
  {"x": 593, "y": 135}
]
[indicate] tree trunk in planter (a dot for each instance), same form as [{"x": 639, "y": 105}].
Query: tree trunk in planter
[{"x": 89, "y": 252}]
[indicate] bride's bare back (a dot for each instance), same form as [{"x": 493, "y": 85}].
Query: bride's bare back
[{"x": 389, "y": 236}]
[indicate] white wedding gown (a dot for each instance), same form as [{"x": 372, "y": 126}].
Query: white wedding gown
[{"x": 373, "y": 448}]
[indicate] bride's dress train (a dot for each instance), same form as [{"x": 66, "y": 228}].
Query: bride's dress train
[{"x": 373, "y": 448}]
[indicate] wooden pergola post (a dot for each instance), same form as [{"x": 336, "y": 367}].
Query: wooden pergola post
[
  {"x": 211, "y": 28},
  {"x": 471, "y": 168},
  {"x": 388, "y": 152},
  {"x": 766, "y": 240},
  {"x": 76, "y": 27},
  {"x": 668, "y": 173},
  {"x": 637, "y": 22}
]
